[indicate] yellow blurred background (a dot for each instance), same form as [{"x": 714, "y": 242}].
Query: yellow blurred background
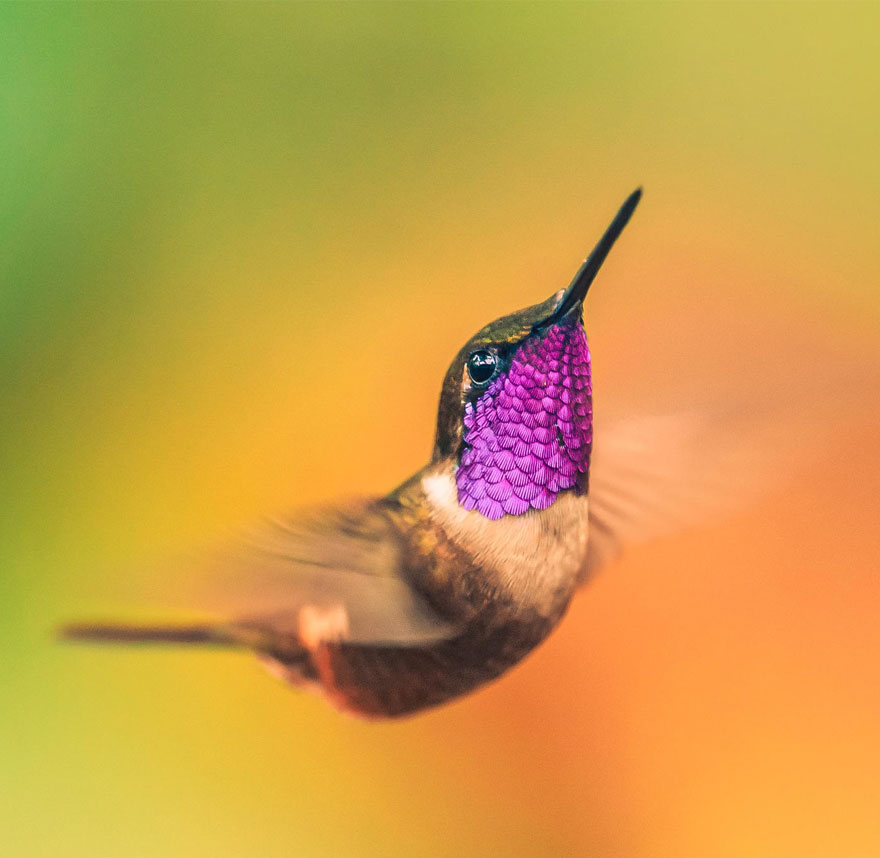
[{"x": 239, "y": 245}]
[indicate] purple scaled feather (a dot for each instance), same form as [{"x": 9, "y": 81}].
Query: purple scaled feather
[{"x": 528, "y": 437}]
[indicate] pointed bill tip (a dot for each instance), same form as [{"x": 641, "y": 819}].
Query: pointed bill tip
[{"x": 631, "y": 202}]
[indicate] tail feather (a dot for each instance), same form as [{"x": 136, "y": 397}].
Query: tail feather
[{"x": 205, "y": 634}]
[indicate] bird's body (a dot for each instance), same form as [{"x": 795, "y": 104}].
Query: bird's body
[
  {"x": 393, "y": 604},
  {"x": 492, "y": 592}
]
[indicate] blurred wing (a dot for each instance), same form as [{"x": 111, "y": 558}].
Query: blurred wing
[
  {"x": 340, "y": 569},
  {"x": 654, "y": 475},
  {"x": 740, "y": 402}
]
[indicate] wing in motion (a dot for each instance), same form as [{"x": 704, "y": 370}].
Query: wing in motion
[
  {"x": 653, "y": 475},
  {"x": 334, "y": 575}
]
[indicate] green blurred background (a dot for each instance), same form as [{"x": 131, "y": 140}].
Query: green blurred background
[{"x": 239, "y": 245}]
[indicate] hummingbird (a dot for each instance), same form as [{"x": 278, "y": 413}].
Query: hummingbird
[{"x": 390, "y": 605}]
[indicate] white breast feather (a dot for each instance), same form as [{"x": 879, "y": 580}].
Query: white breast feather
[{"x": 535, "y": 557}]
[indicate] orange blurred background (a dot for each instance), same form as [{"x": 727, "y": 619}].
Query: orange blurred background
[{"x": 239, "y": 245}]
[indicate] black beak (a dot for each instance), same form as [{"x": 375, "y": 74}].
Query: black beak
[{"x": 573, "y": 297}]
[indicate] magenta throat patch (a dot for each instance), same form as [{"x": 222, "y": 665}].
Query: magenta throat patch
[{"x": 528, "y": 436}]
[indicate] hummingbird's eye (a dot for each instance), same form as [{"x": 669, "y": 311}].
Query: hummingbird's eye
[{"x": 481, "y": 366}]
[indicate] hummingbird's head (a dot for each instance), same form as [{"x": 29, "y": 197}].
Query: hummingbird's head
[{"x": 516, "y": 405}]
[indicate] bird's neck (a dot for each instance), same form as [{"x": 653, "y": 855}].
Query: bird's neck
[{"x": 533, "y": 558}]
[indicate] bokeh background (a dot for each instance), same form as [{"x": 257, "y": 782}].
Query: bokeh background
[{"x": 239, "y": 245}]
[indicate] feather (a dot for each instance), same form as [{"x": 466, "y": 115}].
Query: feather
[
  {"x": 653, "y": 475},
  {"x": 334, "y": 573}
]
